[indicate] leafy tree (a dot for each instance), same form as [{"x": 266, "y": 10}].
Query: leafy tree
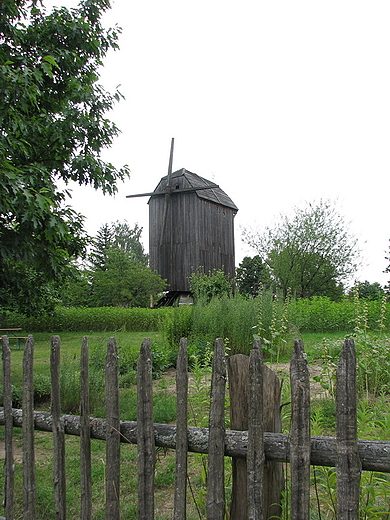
[
  {"x": 118, "y": 274},
  {"x": 310, "y": 252},
  {"x": 129, "y": 240},
  {"x": 77, "y": 290},
  {"x": 205, "y": 286},
  {"x": 125, "y": 282},
  {"x": 368, "y": 291},
  {"x": 117, "y": 235},
  {"x": 53, "y": 128},
  {"x": 251, "y": 275}
]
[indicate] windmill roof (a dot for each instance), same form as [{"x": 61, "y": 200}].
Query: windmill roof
[{"x": 192, "y": 180}]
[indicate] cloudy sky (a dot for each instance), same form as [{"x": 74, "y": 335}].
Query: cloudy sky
[{"x": 279, "y": 102}]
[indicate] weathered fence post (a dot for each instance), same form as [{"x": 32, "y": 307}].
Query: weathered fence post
[
  {"x": 238, "y": 366},
  {"x": 113, "y": 432},
  {"x": 348, "y": 462},
  {"x": 9, "y": 471},
  {"x": 238, "y": 370},
  {"x": 255, "y": 456},
  {"x": 300, "y": 434},
  {"x": 181, "y": 432},
  {"x": 145, "y": 434},
  {"x": 215, "y": 507},
  {"x": 85, "y": 435},
  {"x": 59, "y": 474}
]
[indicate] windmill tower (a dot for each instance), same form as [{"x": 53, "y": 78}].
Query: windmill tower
[{"x": 191, "y": 226}]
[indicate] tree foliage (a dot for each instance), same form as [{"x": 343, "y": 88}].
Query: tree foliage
[
  {"x": 311, "y": 252},
  {"x": 118, "y": 274},
  {"x": 117, "y": 235},
  {"x": 125, "y": 282},
  {"x": 251, "y": 275},
  {"x": 371, "y": 291},
  {"x": 53, "y": 128}
]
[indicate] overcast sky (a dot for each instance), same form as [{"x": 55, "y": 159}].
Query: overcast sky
[{"x": 279, "y": 102}]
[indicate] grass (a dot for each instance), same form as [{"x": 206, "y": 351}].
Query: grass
[{"x": 128, "y": 344}]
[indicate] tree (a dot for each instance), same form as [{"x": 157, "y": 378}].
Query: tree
[
  {"x": 129, "y": 239},
  {"x": 251, "y": 275},
  {"x": 368, "y": 291},
  {"x": 117, "y": 235},
  {"x": 100, "y": 244},
  {"x": 312, "y": 252},
  {"x": 53, "y": 128},
  {"x": 125, "y": 282}
]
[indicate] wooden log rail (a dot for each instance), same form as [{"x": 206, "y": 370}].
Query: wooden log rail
[{"x": 374, "y": 455}]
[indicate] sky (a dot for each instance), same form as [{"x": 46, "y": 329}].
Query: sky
[{"x": 279, "y": 102}]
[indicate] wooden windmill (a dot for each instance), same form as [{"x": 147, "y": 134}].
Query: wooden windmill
[{"x": 191, "y": 226}]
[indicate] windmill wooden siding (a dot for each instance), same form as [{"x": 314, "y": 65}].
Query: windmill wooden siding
[{"x": 188, "y": 230}]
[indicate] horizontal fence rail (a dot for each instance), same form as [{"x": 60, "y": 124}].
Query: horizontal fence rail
[
  {"x": 250, "y": 445},
  {"x": 374, "y": 455}
]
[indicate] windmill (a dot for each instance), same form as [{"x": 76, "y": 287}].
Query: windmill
[{"x": 190, "y": 226}]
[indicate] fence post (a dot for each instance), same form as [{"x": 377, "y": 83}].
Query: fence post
[
  {"x": 181, "y": 432},
  {"x": 59, "y": 475},
  {"x": 145, "y": 434},
  {"x": 85, "y": 435},
  {"x": 215, "y": 507},
  {"x": 113, "y": 432},
  {"x": 9, "y": 471},
  {"x": 255, "y": 456},
  {"x": 348, "y": 466},
  {"x": 300, "y": 434},
  {"x": 29, "y": 485},
  {"x": 238, "y": 370}
]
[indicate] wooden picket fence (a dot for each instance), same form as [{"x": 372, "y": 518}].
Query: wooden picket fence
[{"x": 255, "y": 443}]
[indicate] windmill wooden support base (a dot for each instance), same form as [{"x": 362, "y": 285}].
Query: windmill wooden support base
[{"x": 175, "y": 298}]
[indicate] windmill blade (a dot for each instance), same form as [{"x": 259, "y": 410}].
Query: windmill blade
[
  {"x": 167, "y": 194},
  {"x": 150, "y": 194},
  {"x": 170, "y": 164}
]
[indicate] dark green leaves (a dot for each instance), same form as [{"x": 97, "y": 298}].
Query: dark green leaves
[{"x": 52, "y": 126}]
